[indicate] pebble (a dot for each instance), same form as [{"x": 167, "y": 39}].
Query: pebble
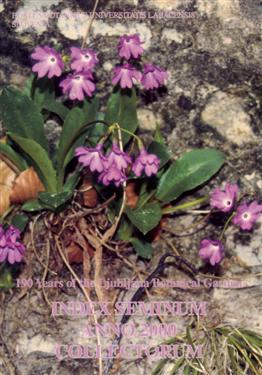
[{"x": 148, "y": 119}]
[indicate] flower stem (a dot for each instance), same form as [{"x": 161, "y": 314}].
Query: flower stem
[
  {"x": 89, "y": 25},
  {"x": 140, "y": 143},
  {"x": 226, "y": 225},
  {"x": 170, "y": 210},
  {"x": 111, "y": 231}
]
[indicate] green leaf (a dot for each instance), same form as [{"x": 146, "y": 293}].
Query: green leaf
[
  {"x": 20, "y": 221},
  {"x": 72, "y": 181},
  {"x": 177, "y": 365},
  {"x": 55, "y": 200},
  {"x": 86, "y": 106},
  {"x": 95, "y": 133},
  {"x": 43, "y": 91},
  {"x": 252, "y": 337},
  {"x": 143, "y": 249},
  {"x": 243, "y": 352},
  {"x": 161, "y": 151},
  {"x": 158, "y": 136},
  {"x": 76, "y": 122},
  {"x": 6, "y": 280},
  {"x": 28, "y": 86},
  {"x": 191, "y": 170},
  {"x": 145, "y": 218},
  {"x": 159, "y": 367},
  {"x": 125, "y": 230},
  {"x": 56, "y": 107},
  {"x": 121, "y": 108},
  {"x": 189, "y": 337},
  {"x": 144, "y": 198},
  {"x": 234, "y": 364},
  {"x": 33, "y": 206},
  {"x": 20, "y": 115},
  {"x": 13, "y": 156},
  {"x": 147, "y": 191},
  {"x": 194, "y": 371},
  {"x": 42, "y": 163}
]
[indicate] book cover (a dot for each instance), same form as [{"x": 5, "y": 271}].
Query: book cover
[{"x": 130, "y": 187}]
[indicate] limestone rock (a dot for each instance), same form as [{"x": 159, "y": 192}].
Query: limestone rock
[
  {"x": 251, "y": 254},
  {"x": 74, "y": 24},
  {"x": 172, "y": 35},
  {"x": 226, "y": 114},
  {"x": 236, "y": 311},
  {"x": 167, "y": 4},
  {"x": 148, "y": 119},
  {"x": 38, "y": 342},
  {"x": 34, "y": 16}
]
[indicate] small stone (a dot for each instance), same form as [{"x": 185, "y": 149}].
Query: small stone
[
  {"x": 52, "y": 131},
  {"x": 185, "y": 103},
  {"x": 250, "y": 177},
  {"x": 18, "y": 80},
  {"x": 224, "y": 10},
  {"x": 259, "y": 184},
  {"x": 132, "y": 2},
  {"x": 72, "y": 24},
  {"x": 225, "y": 113},
  {"x": 172, "y": 35},
  {"x": 148, "y": 119},
  {"x": 108, "y": 66},
  {"x": 37, "y": 343}
]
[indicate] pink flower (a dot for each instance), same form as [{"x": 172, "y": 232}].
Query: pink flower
[
  {"x": 153, "y": 77},
  {"x": 247, "y": 215},
  {"x": 147, "y": 162},
  {"x": 11, "y": 249},
  {"x": 125, "y": 75},
  {"x": 224, "y": 200},
  {"x": 130, "y": 46},
  {"x": 112, "y": 175},
  {"x": 49, "y": 62},
  {"x": 211, "y": 251},
  {"x": 91, "y": 157},
  {"x": 83, "y": 59},
  {"x": 77, "y": 85},
  {"x": 117, "y": 157}
]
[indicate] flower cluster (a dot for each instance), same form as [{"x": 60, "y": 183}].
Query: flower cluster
[
  {"x": 245, "y": 216},
  {"x": 152, "y": 77},
  {"x": 113, "y": 166},
  {"x": 79, "y": 82},
  {"x": 11, "y": 249}
]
